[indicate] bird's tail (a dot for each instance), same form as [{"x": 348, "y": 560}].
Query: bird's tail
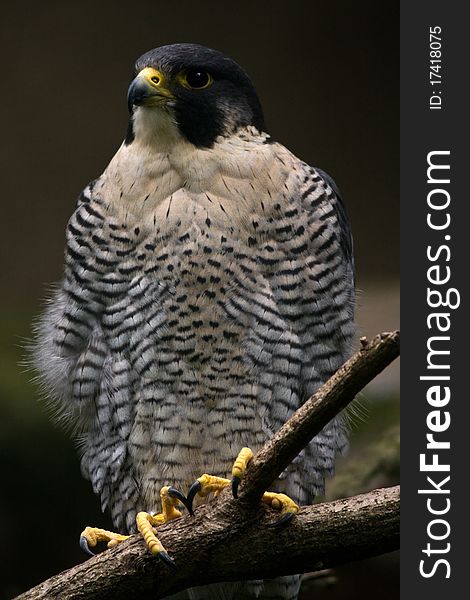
[{"x": 280, "y": 588}]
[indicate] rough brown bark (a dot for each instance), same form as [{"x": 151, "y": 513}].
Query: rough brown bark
[
  {"x": 228, "y": 539},
  {"x": 225, "y": 542}
]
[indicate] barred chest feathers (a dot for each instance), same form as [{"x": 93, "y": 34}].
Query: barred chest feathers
[{"x": 205, "y": 297}]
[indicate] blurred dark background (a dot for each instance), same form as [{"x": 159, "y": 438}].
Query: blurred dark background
[{"x": 327, "y": 76}]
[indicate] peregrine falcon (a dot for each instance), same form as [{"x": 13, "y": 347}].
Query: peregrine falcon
[{"x": 208, "y": 291}]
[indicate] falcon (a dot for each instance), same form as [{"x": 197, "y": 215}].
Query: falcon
[{"x": 208, "y": 291}]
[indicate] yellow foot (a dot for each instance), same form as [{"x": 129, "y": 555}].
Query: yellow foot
[
  {"x": 170, "y": 499},
  {"x": 203, "y": 486},
  {"x": 284, "y": 504},
  {"x": 91, "y": 536},
  {"x": 146, "y": 522},
  {"x": 206, "y": 484},
  {"x": 239, "y": 468}
]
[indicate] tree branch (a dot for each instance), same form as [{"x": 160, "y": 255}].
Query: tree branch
[
  {"x": 228, "y": 544},
  {"x": 213, "y": 545},
  {"x": 317, "y": 411}
]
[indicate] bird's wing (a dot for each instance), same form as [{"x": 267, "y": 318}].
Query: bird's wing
[
  {"x": 343, "y": 220},
  {"x": 87, "y": 382},
  {"x": 315, "y": 298}
]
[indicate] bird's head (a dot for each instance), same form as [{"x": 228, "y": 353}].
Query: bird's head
[{"x": 199, "y": 92}]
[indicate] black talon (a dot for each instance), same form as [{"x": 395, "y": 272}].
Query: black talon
[
  {"x": 85, "y": 547},
  {"x": 174, "y": 493},
  {"x": 283, "y": 520},
  {"x": 166, "y": 558},
  {"x": 193, "y": 490},
  {"x": 235, "y": 483}
]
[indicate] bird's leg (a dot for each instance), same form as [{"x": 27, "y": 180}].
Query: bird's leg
[
  {"x": 206, "y": 484},
  {"x": 145, "y": 522}
]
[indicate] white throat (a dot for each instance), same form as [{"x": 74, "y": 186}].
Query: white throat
[
  {"x": 160, "y": 166},
  {"x": 155, "y": 127}
]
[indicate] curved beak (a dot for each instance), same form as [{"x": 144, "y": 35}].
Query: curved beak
[{"x": 148, "y": 89}]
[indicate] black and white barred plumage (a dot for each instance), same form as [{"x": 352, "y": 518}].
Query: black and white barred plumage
[{"x": 208, "y": 291}]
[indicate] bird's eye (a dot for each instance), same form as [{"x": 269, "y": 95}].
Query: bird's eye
[{"x": 194, "y": 79}]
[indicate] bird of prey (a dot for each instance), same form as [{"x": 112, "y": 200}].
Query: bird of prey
[{"x": 208, "y": 291}]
